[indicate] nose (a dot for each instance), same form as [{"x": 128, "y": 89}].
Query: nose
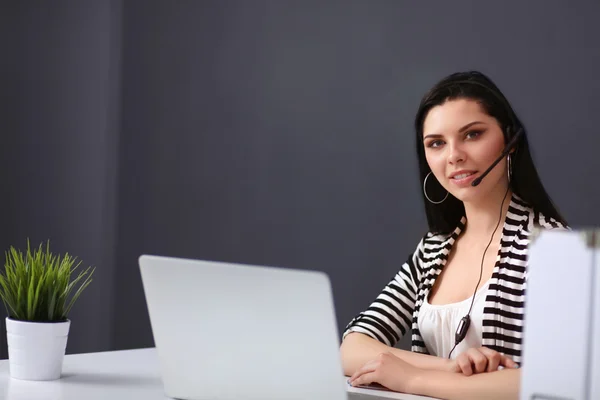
[{"x": 456, "y": 154}]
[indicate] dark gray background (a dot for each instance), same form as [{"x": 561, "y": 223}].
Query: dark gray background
[{"x": 263, "y": 132}]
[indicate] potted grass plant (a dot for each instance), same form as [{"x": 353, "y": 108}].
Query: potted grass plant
[{"x": 38, "y": 290}]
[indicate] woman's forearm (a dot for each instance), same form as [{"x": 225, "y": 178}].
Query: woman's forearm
[
  {"x": 357, "y": 349},
  {"x": 501, "y": 385}
]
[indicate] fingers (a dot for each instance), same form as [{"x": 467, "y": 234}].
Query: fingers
[
  {"x": 493, "y": 358},
  {"x": 482, "y": 359},
  {"x": 498, "y": 359},
  {"x": 478, "y": 359},
  {"x": 365, "y": 379},
  {"x": 493, "y": 363},
  {"x": 464, "y": 363},
  {"x": 368, "y": 367},
  {"x": 508, "y": 362}
]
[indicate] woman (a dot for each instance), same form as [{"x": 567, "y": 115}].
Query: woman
[{"x": 469, "y": 270}]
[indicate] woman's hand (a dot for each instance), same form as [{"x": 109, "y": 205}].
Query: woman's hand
[
  {"x": 387, "y": 370},
  {"x": 478, "y": 360}
]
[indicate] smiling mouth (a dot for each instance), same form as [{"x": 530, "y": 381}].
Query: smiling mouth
[{"x": 463, "y": 176}]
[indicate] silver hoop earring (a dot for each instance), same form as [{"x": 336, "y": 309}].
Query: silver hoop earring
[
  {"x": 425, "y": 191},
  {"x": 509, "y": 169}
]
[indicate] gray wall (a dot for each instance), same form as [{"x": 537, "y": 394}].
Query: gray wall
[
  {"x": 275, "y": 133},
  {"x": 60, "y": 145}
]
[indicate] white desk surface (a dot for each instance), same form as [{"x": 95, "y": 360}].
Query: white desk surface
[{"x": 115, "y": 375}]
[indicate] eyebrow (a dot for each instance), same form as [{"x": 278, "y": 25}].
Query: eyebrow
[{"x": 464, "y": 128}]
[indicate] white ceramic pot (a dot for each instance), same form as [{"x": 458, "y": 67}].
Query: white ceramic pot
[{"x": 36, "y": 349}]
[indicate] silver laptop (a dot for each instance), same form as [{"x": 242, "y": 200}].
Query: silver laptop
[{"x": 227, "y": 331}]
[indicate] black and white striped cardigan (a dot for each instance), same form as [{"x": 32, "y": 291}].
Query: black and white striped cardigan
[{"x": 397, "y": 307}]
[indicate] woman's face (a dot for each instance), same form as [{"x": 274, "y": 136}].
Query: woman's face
[{"x": 461, "y": 141}]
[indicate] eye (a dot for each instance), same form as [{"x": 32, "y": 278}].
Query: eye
[
  {"x": 473, "y": 134},
  {"x": 435, "y": 143}
]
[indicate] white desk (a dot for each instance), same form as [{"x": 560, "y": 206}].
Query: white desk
[{"x": 115, "y": 375}]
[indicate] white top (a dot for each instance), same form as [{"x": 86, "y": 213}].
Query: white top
[{"x": 438, "y": 324}]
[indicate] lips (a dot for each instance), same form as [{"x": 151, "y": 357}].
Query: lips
[
  {"x": 463, "y": 175},
  {"x": 463, "y": 178}
]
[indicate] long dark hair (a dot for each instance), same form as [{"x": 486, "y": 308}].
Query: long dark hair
[{"x": 525, "y": 182}]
